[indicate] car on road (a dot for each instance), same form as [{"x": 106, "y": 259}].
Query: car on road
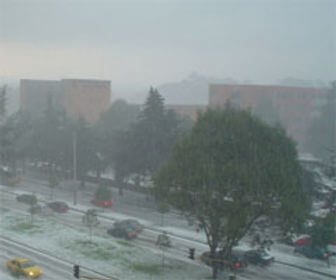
[
  {"x": 101, "y": 202},
  {"x": 302, "y": 239},
  {"x": 126, "y": 232},
  {"x": 312, "y": 252},
  {"x": 234, "y": 261},
  {"x": 26, "y": 198},
  {"x": 58, "y": 206},
  {"x": 130, "y": 223},
  {"x": 258, "y": 257},
  {"x": 24, "y": 266}
]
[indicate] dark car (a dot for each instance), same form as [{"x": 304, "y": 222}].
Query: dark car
[
  {"x": 134, "y": 224},
  {"x": 310, "y": 252},
  {"x": 258, "y": 257},
  {"x": 58, "y": 206},
  {"x": 123, "y": 232},
  {"x": 101, "y": 202},
  {"x": 26, "y": 198},
  {"x": 233, "y": 261}
]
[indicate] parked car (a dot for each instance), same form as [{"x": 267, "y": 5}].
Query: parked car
[
  {"x": 312, "y": 252},
  {"x": 24, "y": 266},
  {"x": 302, "y": 239},
  {"x": 101, "y": 203},
  {"x": 234, "y": 261},
  {"x": 130, "y": 223},
  {"x": 258, "y": 257},
  {"x": 26, "y": 198},
  {"x": 58, "y": 206},
  {"x": 123, "y": 232}
]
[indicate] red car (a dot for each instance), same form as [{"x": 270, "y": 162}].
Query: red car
[
  {"x": 302, "y": 240},
  {"x": 58, "y": 206},
  {"x": 101, "y": 203}
]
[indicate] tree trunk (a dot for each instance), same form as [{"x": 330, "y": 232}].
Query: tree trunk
[{"x": 214, "y": 264}]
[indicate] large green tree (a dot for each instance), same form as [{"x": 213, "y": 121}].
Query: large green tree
[
  {"x": 146, "y": 144},
  {"x": 323, "y": 231},
  {"x": 231, "y": 170}
]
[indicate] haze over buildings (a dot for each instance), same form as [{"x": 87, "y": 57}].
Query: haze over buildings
[
  {"x": 78, "y": 98},
  {"x": 141, "y": 43},
  {"x": 293, "y": 107}
]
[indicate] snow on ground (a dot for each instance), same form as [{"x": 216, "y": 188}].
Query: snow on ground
[
  {"x": 126, "y": 260},
  {"x": 115, "y": 257},
  {"x": 6, "y": 276}
]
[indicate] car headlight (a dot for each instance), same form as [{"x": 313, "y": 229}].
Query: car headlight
[{"x": 31, "y": 273}]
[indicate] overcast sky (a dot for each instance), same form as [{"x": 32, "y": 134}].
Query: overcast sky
[{"x": 152, "y": 42}]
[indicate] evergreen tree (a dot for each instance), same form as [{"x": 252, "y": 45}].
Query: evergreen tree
[{"x": 153, "y": 135}]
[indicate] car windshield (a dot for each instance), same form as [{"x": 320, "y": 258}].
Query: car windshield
[{"x": 27, "y": 264}]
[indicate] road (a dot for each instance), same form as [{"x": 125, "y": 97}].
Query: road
[{"x": 137, "y": 205}]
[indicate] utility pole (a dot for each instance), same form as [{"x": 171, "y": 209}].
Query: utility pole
[{"x": 75, "y": 165}]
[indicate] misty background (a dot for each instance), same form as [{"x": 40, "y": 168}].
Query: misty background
[{"x": 177, "y": 46}]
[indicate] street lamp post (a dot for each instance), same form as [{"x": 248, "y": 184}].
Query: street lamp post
[{"x": 75, "y": 166}]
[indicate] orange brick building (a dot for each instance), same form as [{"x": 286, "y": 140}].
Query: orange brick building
[
  {"x": 187, "y": 110},
  {"x": 79, "y": 98},
  {"x": 296, "y": 106}
]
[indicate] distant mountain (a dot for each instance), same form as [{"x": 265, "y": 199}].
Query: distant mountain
[{"x": 190, "y": 91}]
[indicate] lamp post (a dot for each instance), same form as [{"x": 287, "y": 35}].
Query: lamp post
[{"x": 74, "y": 138}]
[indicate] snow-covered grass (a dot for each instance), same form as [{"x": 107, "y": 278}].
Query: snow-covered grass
[{"x": 115, "y": 257}]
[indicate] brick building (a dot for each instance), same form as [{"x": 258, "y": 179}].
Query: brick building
[
  {"x": 79, "y": 98},
  {"x": 296, "y": 106},
  {"x": 187, "y": 110}
]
